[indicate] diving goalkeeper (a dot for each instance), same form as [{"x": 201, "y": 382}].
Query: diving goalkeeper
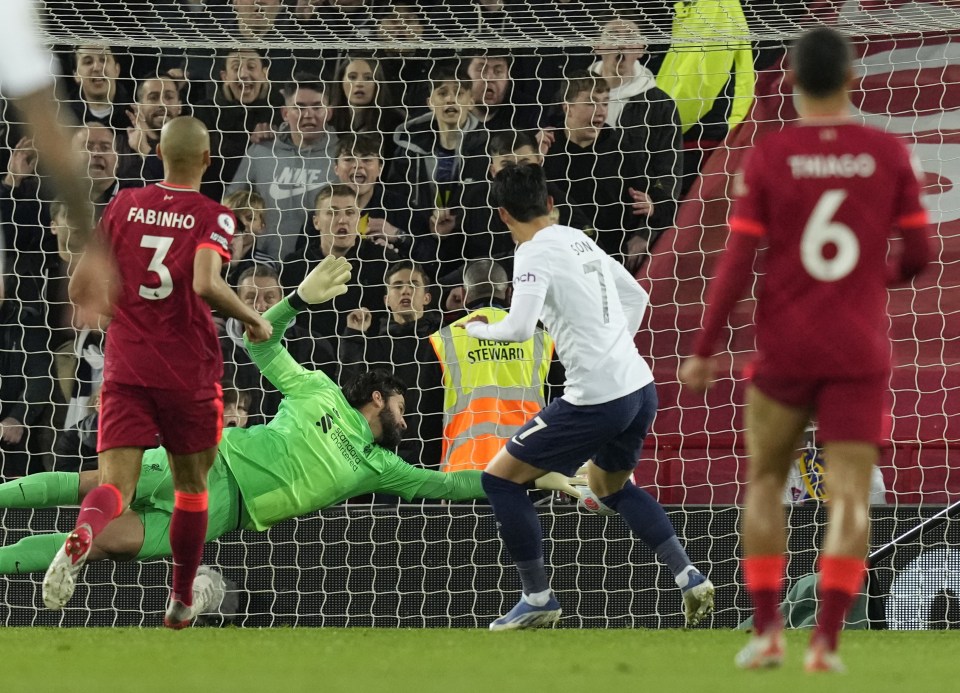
[{"x": 323, "y": 447}]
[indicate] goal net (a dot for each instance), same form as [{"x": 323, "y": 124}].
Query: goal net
[{"x": 641, "y": 112}]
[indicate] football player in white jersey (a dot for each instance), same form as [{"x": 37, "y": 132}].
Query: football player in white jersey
[
  {"x": 26, "y": 78},
  {"x": 592, "y": 307}
]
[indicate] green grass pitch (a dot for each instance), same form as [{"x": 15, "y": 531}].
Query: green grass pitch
[{"x": 451, "y": 661}]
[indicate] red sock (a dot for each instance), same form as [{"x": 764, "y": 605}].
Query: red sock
[
  {"x": 101, "y": 505},
  {"x": 841, "y": 577},
  {"x": 188, "y": 531},
  {"x": 764, "y": 578}
]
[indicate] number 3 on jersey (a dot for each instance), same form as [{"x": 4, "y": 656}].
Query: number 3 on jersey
[
  {"x": 822, "y": 230},
  {"x": 161, "y": 246}
]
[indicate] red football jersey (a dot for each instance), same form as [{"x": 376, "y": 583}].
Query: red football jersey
[
  {"x": 827, "y": 196},
  {"x": 162, "y": 334}
]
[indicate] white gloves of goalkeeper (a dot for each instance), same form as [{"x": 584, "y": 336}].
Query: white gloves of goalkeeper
[
  {"x": 555, "y": 481},
  {"x": 325, "y": 281}
]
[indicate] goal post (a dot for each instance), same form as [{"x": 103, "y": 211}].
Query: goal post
[{"x": 382, "y": 563}]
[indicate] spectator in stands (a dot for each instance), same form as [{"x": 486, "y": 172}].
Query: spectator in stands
[
  {"x": 75, "y": 448},
  {"x": 157, "y": 102},
  {"x": 336, "y": 220},
  {"x": 406, "y": 69},
  {"x": 648, "y": 117},
  {"x": 497, "y": 101},
  {"x": 244, "y": 108},
  {"x": 25, "y": 383},
  {"x": 258, "y": 20},
  {"x": 288, "y": 170},
  {"x": 30, "y": 250},
  {"x": 361, "y": 100},
  {"x": 401, "y": 345},
  {"x": 236, "y": 407},
  {"x": 259, "y": 288},
  {"x": 430, "y": 159},
  {"x": 248, "y": 208},
  {"x": 384, "y": 216},
  {"x": 484, "y": 235},
  {"x": 344, "y": 19},
  {"x": 710, "y": 77},
  {"x": 590, "y": 162},
  {"x": 98, "y": 144},
  {"x": 475, "y": 423},
  {"x": 100, "y": 95}
]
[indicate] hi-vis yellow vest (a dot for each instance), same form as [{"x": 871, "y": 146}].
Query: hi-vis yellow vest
[
  {"x": 710, "y": 43},
  {"x": 490, "y": 389}
]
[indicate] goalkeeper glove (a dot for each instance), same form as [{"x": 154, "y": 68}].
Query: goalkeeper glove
[
  {"x": 555, "y": 481},
  {"x": 325, "y": 281}
]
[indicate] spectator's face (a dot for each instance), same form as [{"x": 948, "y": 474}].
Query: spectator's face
[
  {"x": 586, "y": 113},
  {"x": 490, "y": 80},
  {"x": 245, "y": 77},
  {"x": 336, "y": 219},
  {"x": 624, "y": 46},
  {"x": 519, "y": 156},
  {"x": 391, "y": 422},
  {"x": 359, "y": 85},
  {"x": 260, "y": 293},
  {"x": 159, "y": 102},
  {"x": 402, "y": 24},
  {"x": 257, "y": 15},
  {"x": 450, "y": 104},
  {"x": 235, "y": 416},
  {"x": 407, "y": 295},
  {"x": 360, "y": 170},
  {"x": 306, "y": 113},
  {"x": 97, "y": 145},
  {"x": 96, "y": 73},
  {"x": 250, "y": 220}
]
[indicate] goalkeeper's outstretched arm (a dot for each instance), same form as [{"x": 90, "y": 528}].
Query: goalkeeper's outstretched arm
[{"x": 326, "y": 281}]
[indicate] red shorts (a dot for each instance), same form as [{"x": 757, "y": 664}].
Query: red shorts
[
  {"x": 852, "y": 409},
  {"x": 183, "y": 421}
]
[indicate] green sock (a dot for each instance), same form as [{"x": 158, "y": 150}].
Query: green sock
[
  {"x": 30, "y": 554},
  {"x": 43, "y": 490}
]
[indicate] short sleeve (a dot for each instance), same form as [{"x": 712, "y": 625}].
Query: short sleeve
[
  {"x": 748, "y": 213},
  {"x": 910, "y": 212},
  {"x": 25, "y": 64},
  {"x": 531, "y": 274},
  {"x": 218, "y": 233}
]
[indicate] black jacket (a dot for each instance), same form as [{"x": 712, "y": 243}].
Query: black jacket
[
  {"x": 25, "y": 381},
  {"x": 404, "y": 349},
  {"x": 595, "y": 180}
]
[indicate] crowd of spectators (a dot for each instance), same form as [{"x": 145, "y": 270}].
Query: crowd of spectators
[{"x": 383, "y": 156}]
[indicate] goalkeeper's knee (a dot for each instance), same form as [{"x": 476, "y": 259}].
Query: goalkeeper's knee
[{"x": 591, "y": 502}]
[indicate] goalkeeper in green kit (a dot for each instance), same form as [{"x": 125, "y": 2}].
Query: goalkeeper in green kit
[{"x": 323, "y": 447}]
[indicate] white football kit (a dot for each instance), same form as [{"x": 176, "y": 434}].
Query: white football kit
[{"x": 588, "y": 303}]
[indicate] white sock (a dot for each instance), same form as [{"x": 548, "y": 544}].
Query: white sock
[
  {"x": 538, "y": 598},
  {"x": 684, "y": 577}
]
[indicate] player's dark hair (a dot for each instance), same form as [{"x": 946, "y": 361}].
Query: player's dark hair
[
  {"x": 402, "y": 265},
  {"x": 522, "y": 191},
  {"x": 821, "y": 60},
  {"x": 359, "y": 390},
  {"x": 509, "y": 141}
]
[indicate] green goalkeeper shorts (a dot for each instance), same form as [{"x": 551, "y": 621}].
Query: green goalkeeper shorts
[{"x": 154, "y": 503}]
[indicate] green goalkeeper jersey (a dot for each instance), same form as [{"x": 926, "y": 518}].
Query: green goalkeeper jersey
[{"x": 318, "y": 450}]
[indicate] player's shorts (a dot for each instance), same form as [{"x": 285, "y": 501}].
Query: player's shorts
[
  {"x": 847, "y": 409},
  {"x": 563, "y": 436},
  {"x": 182, "y": 421},
  {"x": 153, "y": 502}
]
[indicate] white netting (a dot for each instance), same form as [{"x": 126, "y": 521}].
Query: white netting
[{"x": 428, "y": 564}]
